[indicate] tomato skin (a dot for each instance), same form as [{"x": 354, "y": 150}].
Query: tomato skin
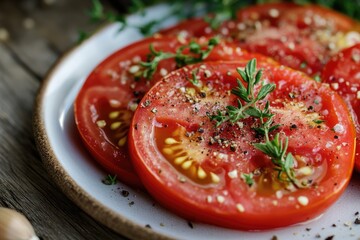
[
  {"x": 271, "y": 12},
  {"x": 111, "y": 80},
  {"x": 316, "y": 16},
  {"x": 297, "y": 52},
  {"x": 342, "y": 72},
  {"x": 191, "y": 200},
  {"x": 195, "y": 27}
]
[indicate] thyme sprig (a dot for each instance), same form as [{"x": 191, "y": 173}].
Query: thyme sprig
[
  {"x": 197, "y": 53},
  {"x": 275, "y": 148},
  {"x": 236, "y": 113}
]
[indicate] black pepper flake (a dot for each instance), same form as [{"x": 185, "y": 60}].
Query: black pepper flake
[
  {"x": 308, "y": 229},
  {"x": 274, "y": 237},
  {"x": 190, "y": 225},
  {"x": 317, "y": 236},
  {"x": 356, "y": 213},
  {"x": 137, "y": 93},
  {"x": 293, "y": 126},
  {"x": 202, "y": 94},
  {"x": 136, "y": 126},
  {"x": 148, "y": 226},
  {"x": 131, "y": 203},
  {"x": 333, "y": 225},
  {"x": 310, "y": 108},
  {"x": 125, "y": 193},
  {"x": 201, "y": 130},
  {"x": 357, "y": 221},
  {"x": 330, "y": 237},
  {"x": 336, "y": 136}
]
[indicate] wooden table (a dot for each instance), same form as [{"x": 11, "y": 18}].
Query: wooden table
[{"x": 33, "y": 34}]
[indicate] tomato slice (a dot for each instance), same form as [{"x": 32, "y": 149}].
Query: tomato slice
[
  {"x": 105, "y": 103},
  {"x": 317, "y": 17},
  {"x": 303, "y": 37},
  {"x": 199, "y": 171},
  {"x": 194, "y": 27},
  {"x": 289, "y": 47},
  {"x": 270, "y": 12},
  {"x": 342, "y": 72}
]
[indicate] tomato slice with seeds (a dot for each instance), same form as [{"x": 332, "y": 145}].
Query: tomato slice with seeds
[
  {"x": 271, "y": 12},
  {"x": 105, "y": 103},
  {"x": 201, "y": 172},
  {"x": 303, "y": 37},
  {"x": 342, "y": 72},
  {"x": 317, "y": 17}
]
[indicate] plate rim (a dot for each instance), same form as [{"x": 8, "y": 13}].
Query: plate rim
[{"x": 96, "y": 210}]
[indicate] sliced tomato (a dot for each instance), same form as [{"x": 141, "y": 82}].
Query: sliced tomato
[
  {"x": 342, "y": 72},
  {"x": 197, "y": 170},
  {"x": 303, "y": 37},
  {"x": 270, "y": 12},
  {"x": 105, "y": 103},
  {"x": 317, "y": 17},
  {"x": 289, "y": 47},
  {"x": 195, "y": 27}
]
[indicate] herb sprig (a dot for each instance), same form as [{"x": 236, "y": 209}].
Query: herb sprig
[
  {"x": 197, "y": 53},
  {"x": 275, "y": 148},
  {"x": 110, "y": 180}
]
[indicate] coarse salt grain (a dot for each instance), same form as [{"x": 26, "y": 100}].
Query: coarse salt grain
[{"x": 338, "y": 128}]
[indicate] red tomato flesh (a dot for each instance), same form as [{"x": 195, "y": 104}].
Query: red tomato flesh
[
  {"x": 303, "y": 37},
  {"x": 105, "y": 103},
  {"x": 196, "y": 169},
  {"x": 342, "y": 72}
]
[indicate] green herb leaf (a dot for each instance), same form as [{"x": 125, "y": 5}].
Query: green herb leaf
[
  {"x": 110, "y": 180},
  {"x": 248, "y": 178}
]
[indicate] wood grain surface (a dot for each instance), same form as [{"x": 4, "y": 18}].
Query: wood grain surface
[{"x": 33, "y": 34}]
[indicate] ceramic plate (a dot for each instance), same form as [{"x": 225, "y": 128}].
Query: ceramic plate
[{"x": 137, "y": 215}]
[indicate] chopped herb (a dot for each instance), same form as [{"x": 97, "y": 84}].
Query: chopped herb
[
  {"x": 318, "y": 121},
  {"x": 194, "y": 79},
  {"x": 82, "y": 36},
  {"x": 303, "y": 65},
  {"x": 110, "y": 180},
  {"x": 248, "y": 178},
  {"x": 317, "y": 78}
]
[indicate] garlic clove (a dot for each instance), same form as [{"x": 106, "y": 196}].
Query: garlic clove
[{"x": 15, "y": 226}]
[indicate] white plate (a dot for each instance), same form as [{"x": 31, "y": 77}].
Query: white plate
[{"x": 80, "y": 178}]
